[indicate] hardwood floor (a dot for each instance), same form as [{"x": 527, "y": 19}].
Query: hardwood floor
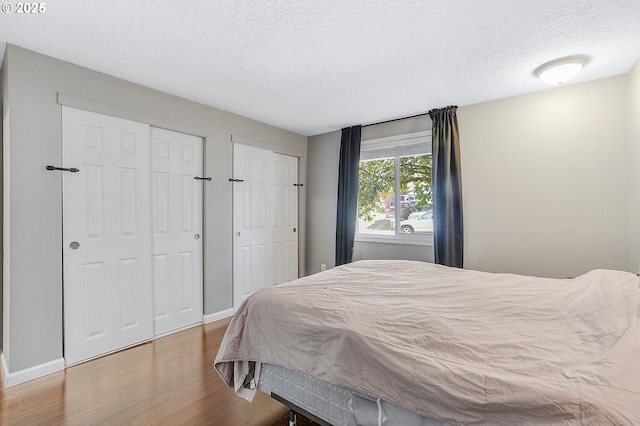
[{"x": 170, "y": 381}]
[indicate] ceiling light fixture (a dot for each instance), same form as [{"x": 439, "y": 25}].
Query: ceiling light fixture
[{"x": 560, "y": 70}]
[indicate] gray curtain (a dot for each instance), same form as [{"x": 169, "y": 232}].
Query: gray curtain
[
  {"x": 447, "y": 188},
  {"x": 347, "y": 193}
]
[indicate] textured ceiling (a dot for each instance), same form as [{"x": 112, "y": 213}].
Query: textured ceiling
[{"x": 315, "y": 66}]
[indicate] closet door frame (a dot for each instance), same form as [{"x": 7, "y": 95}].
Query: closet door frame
[{"x": 91, "y": 106}]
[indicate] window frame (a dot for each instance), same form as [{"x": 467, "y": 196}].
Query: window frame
[{"x": 390, "y": 142}]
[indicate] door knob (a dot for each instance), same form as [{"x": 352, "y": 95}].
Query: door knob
[
  {"x": 74, "y": 245},
  {"x": 294, "y": 229},
  {"x": 196, "y": 236}
]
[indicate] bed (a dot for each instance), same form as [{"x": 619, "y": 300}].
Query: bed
[{"x": 452, "y": 345}]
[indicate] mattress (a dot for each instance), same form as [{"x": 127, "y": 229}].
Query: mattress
[
  {"x": 335, "y": 404},
  {"x": 324, "y": 400}
]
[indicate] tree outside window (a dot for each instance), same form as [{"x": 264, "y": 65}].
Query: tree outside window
[{"x": 385, "y": 183}]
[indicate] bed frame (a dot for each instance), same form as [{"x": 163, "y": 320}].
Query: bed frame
[{"x": 294, "y": 409}]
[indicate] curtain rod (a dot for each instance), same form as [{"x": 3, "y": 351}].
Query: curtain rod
[
  {"x": 395, "y": 119},
  {"x": 404, "y": 118}
]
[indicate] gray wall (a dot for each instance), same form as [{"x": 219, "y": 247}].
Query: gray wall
[
  {"x": 369, "y": 250},
  {"x": 545, "y": 183},
  {"x": 33, "y": 200},
  {"x": 545, "y": 180},
  {"x": 634, "y": 167},
  {"x": 3, "y": 92},
  {"x": 322, "y": 195},
  {"x": 396, "y": 127}
]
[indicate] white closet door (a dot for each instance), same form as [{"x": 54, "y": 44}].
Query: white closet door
[
  {"x": 106, "y": 234},
  {"x": 177, "y": 229},
  {"x": 252, "y": 221},
  {"x": 285, "y": 217}
]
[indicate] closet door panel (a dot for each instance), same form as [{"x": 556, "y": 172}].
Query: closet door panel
[
  {"x": 176, "y": 159},
  {"x": 106, "y": 234}
]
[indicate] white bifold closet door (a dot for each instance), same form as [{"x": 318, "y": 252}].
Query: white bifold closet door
[
  {"x": 106, "y": 234},
  {"x": 177, "y": 229},
  {"x": 132, "y": 227},
  {"x": 252, "y": 221},
  {"x": 265, "y": 220},
  {"x": 285, "y": 217}
]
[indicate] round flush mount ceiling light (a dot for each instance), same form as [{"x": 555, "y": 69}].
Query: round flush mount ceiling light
[{"x": 560, "y": 70}]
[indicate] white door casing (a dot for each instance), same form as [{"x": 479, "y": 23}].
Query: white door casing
[
  {"x": 106, "y": 234},
  {"x": 252, "y": 221},
  {"x": 176, "y": 159},
  {"x": 285, "y": 217}
]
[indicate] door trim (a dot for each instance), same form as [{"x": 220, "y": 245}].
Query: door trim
[
  {"x": 266, "y": 145},
  {"x": 91, "y": 105}
]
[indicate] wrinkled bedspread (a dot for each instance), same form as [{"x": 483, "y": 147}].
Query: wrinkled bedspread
[{"x": 457, "y": 345}]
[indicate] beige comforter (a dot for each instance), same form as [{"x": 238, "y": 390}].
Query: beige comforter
[{"x": 461, "y": 346}]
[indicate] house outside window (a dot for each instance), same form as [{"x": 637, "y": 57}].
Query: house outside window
[{"x": 394, "y": 198}]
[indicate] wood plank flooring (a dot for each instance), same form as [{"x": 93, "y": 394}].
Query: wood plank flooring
[{"x": 170, "y": 381}]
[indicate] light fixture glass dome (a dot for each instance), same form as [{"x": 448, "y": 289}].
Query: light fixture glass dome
[{"x": 560, "y": 70}]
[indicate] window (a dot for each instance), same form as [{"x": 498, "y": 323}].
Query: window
[{"x": 394, "y": 198}]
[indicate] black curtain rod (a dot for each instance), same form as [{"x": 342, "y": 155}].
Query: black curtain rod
[
  {"x": 404, "y": 118},
  {"x": 395, "y": 119}
]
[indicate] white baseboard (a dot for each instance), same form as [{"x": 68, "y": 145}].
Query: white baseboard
[
  {"x": 31, "y": 373},
  {"x": 218, "y": 316},
  {"x": 177, "y": 330}
]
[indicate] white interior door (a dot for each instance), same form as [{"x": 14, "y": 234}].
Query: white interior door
[
  {"x": 176, "y": 159},
  {"x": 285, "y": 217},
  {"x": 106, "y": 234},
  {"x": 252, "y": 221}
]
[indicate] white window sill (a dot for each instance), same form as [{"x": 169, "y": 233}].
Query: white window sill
[{"x": 409, "y": 240}]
